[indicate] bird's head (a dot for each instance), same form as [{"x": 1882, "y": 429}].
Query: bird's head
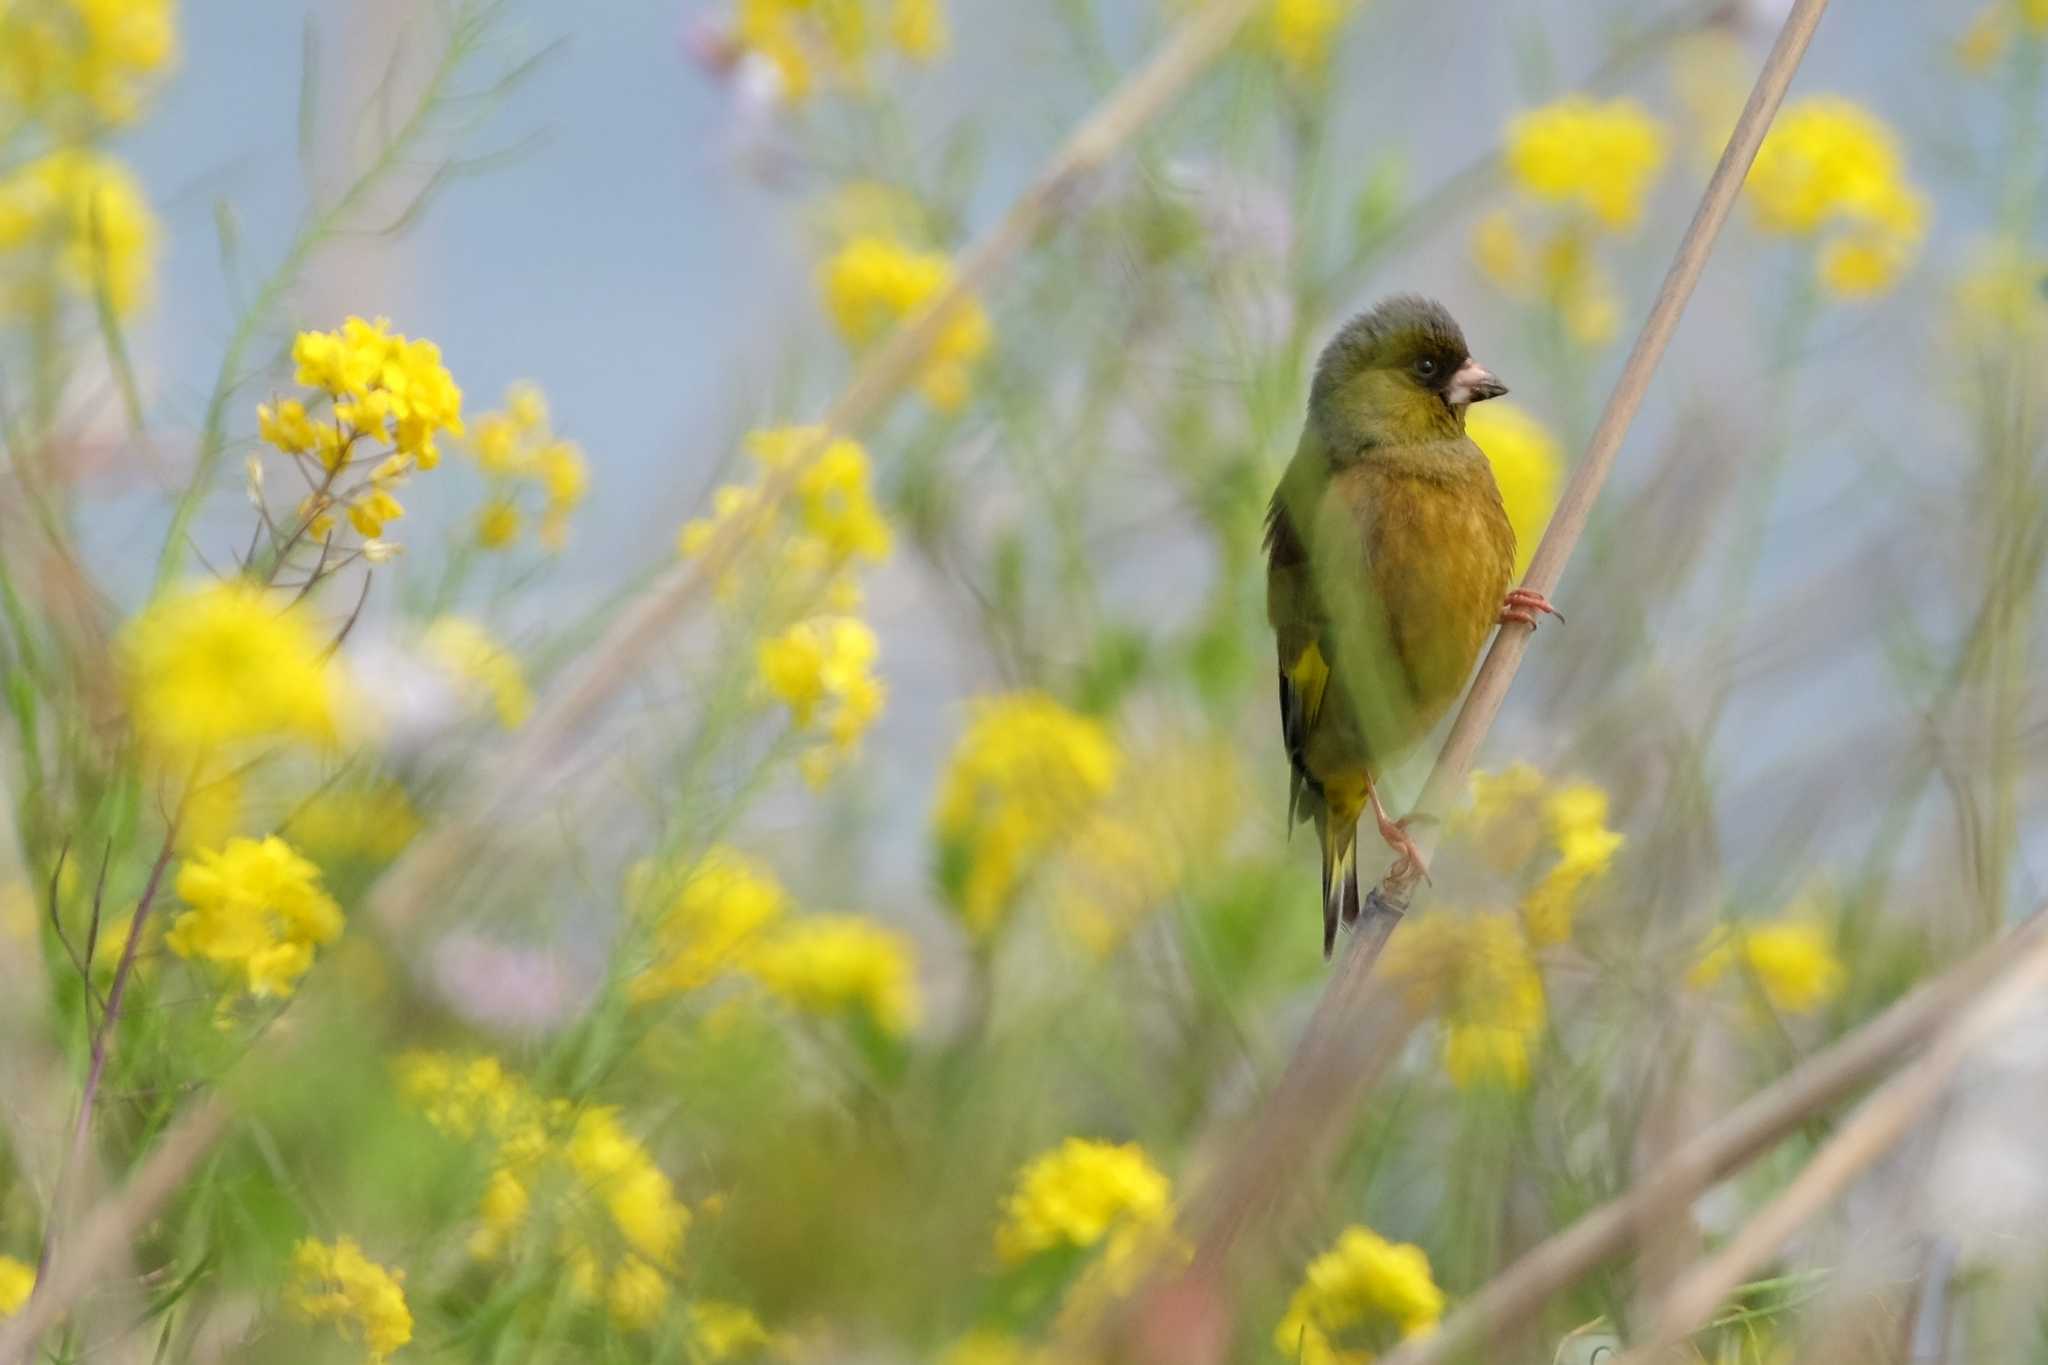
[{"x": 1397, "y": 374}]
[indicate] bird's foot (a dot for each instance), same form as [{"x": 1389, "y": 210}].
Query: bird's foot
[
  {"x": 1525, "y": 606},
  {"x": 1409, "y": 867}
]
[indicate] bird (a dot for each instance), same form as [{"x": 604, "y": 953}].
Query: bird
[{"x": 1389, "y": 559}]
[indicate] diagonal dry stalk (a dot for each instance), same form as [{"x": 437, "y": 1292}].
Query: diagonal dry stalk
[
  {"x": 404, "y": 892},
  {"x": 1299, "y": 1117},
  {"x": 407, "y": 889},
  {"x": 1883, "y": 1121},
  {"x": 1741, "y": 1136}
]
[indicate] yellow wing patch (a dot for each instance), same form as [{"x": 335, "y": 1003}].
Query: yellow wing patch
[{"x": 1309, "y": 675}]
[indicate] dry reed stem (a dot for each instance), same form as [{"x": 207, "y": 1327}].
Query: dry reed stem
[
  {"x": 1883, "y": 1121},
  {"x": 1744, "y": 1134},
  {"x": 406, "y": 890}
]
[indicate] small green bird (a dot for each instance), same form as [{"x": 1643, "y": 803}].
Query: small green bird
[{"x": 1389, "y": 558}]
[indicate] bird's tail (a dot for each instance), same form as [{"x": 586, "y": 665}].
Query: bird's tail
[{"x": 1337, "y": 830}]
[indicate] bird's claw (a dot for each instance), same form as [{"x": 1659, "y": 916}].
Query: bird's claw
[
  {"x": 1410, "y": 866},
  {"x": 1525, "y": 607}
]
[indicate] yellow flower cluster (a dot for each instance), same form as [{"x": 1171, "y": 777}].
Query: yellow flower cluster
[
  {"x": 77, "y": 218},
  {"x": 724, "y": 904},
  {"x": 481, "y": 666},
  {"x": 1361, "y": 1296},
  {"x": 1083, "y": 1194},
  {"x": 822, "y": 669},
  {"x": 74, "y": 64},
  {"x": 1526, "y": 826},
  {"x": 1991, "y": 32},
  {"x": 873, "y": 282},
  {"x": 518, "y": 450},
  {"x": 1830, "y": 167},
  {"x": 842, "y": 965},
  {"x": 1526, "y": 464},
  {"x": 256, "y": 906},
  {"x": 618, "y": 1223},
  {"x": 336, "y": 1283},
  {"x": 1595, "y": 161},
  {"x": 1791, "y": 961},
  {"x": 724, "y": 1330},
  {"x": 17, "y": 1282},
  {"x": 1022, "y": 778},
  {"x": 1302, "y": 33},
  {"x": 338, "y": 824},
  {"x": 226, "y": 662},
  {"x": 1476, "y": 971},
  {"x": 815, "y": 42},
  {"x": 390, "y": 397}
]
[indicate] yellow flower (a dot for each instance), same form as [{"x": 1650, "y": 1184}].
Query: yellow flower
[
  {"x": 17, "y": 1282},
  {"x": 1476, "y": 971},
  {"x": 1986, "y": 38},
  {"x": 1792, "y": 961},
  {"x": 822, "y": 669},
  {"x": 636, "y": 1294},
  {"x": 1302, "y": 32},
  {"x": 1080, "y": 1194},
  {"x": 809, "y": 40},
  {"x": 482, "y": 665},
  {"x": 613, "y": 1165},
  {"x": 1366, "y": 1293},
  {"x": 218, "y": 663},
  {"x": 872, "y": 283},
  {"x": 918, "y": 28},
  {"x": 372, "y": 823},
  {"x": 833, "y": 495},
  {"x": 1577, "y": 818},
  {"x": 519, "y": 454},
  {"x": 725, "y": 1330},
  {"x": 1561, "y": 272},
  {"x": 74, "y": 62},
  {"x": 1022, "y": 777},
  {"x": 723, "y": 905},
  {"x": 90, "y": 213},
  {"x": 257, "y": 906},
  {"x": 1527, "y": 466},
  {"x": 839, "y": 964},
  {"x": 396, "y": 389},
  {"x": 467, "y": 1097},
  {"x": 1603, "y": 157},
  {"x": 336, "y": 1283},
  {"x": 1828, "y": 164}
]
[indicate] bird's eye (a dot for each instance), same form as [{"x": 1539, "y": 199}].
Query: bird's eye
[{"x": 1426, "y": 367}]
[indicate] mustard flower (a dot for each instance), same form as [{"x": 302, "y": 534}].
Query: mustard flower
[
  {"x": 1524, "y": 826},
  {"x": 1080, "y": 1195},
  {"x": 834, "y": 498},
  {"x": 256, "y": 906},
  {"x": 615, "y": 1167},
  {"x": 1302, "y": 33},
  {"x": 524, "y": 461},
  {"x": 1526, "y": 464},
  {"x": 1600, "y": 156},
  {"x": 873, "y": 282},
  {"x": 1020, "y": 780},
  {"x": 842, "y": 965},
  {"x": 17, "y": 1282},
  {"x": 481, "y": 666},
  {"x": 725, "y": 1331},
  {"x": 85, "y": 213},
  {"x": 822, "y": 669},
  {"x": 724, "y": 904},
  {"x": 1792, "y": 961},
  {"x": 809, "y": 43},
  {"x": 371, "y": 823},
  {"x": 1358, "y": 1298},
  {"x": 336, "y": 1283},
  {"x": 75, "y": 63},
  {"x": 1476, "y": 973},
  {"x": 1830, "y": 167},
  {"x": 221, "y": 663}
]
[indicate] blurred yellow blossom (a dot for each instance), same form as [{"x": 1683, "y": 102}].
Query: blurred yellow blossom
[
  {"x": 1358, "y": 1298},
  {"x": 74, "y": 63},
  {"x": 841, "y": 964},
  {"x": 256, "y": 906},
  {"x": 482, "y": 666},
  {"x": 1991, "y": 31},
  {"x": 222, "y": 662},
  {"x": 1602, "y": 156},
  {"x": 85, "y": 213},
  {"x": 336, "y": 1283},
  {"x": 1303, "y": 32},
  {"x": 988, "y": 1348},
  {"x": 833, "y": 497},
  {"x": 822, "y": 669},
  {"x": 1551, "y": 838},
  {"x": 17, "y": 1282},
  {"x": 919, "y": 28},
  {"x": 372, "y": 823},
  {"x": 1023, "y": 777},
  {"x": 724, "y": 904},
  {"x": 1082, "y": 1194},
  {"x": 522, "y": 459},
  {"x": 1999, "y": 296},
  {"x": 815, "y": 42},
  {"x": 1476, "y": 972},
  {"x": 1830, "y": 166},
  {"x": 1526, "y": 464},
  {"x": 1791, "y": 960},
  {"x": 725, "y": 1330},
  {"x": 872, "y": 283}
]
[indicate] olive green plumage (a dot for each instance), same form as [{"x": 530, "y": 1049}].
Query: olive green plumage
[{"x": 1388, "y": 556}]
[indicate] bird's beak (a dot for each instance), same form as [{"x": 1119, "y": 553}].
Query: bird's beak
[{"x": 1473, "y": 383}]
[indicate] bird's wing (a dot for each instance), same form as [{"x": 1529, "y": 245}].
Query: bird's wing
[{"x": 1300, "y": 630}]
